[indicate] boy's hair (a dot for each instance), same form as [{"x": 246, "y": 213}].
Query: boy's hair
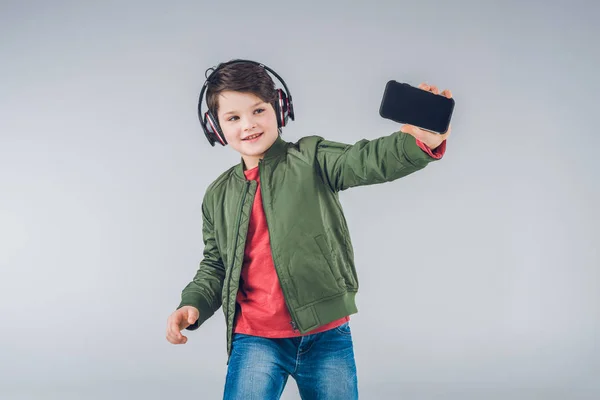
[{"x": 239, "y": 77}]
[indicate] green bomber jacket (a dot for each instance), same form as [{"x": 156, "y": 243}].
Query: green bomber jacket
[{"x": 310, "y": 242}]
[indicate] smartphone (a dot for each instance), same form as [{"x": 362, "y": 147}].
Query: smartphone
[{"x": 407, "y": 104}]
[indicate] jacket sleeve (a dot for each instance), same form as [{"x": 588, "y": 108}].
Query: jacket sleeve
[
  {"x": 369, "y": 162},
  {"x": 204, "y": 291}
]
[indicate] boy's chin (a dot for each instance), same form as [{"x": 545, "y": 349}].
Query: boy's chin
[
  {"x": 254, "y": 153},
  {"x": 250, "y": 150}
]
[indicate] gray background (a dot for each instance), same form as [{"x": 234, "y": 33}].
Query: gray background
[{"x": 479, "y": 275}]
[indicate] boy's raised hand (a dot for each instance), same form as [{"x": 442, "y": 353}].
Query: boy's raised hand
[
  {"x": 179, "y": 320},
  {"x": 431, "y": 139}
]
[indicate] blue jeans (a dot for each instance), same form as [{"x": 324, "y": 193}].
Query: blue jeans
[{"x": 322, "y": 365}]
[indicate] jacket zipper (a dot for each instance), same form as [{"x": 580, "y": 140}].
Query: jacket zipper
[
  {"x": 235, "y": 248},
  {"x": 285, "y": 295}
]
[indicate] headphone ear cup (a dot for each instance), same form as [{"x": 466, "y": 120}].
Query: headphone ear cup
[
  {"x": 208, "y": 130},
  {"x": 281, "y": 108},
  {"x": 290, "y": 108},
  {"x": 211, "y": 125}
]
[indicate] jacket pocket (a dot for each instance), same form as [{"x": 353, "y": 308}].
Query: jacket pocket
[
  {"x": 346, "y": 255},
  {"x": 326, "y": 252}
]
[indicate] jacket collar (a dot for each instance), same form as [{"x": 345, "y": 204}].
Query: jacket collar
[{"x": 276, "y": 150}]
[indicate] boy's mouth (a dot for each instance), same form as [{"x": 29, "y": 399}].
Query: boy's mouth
[{"x": 252, "y": 137}]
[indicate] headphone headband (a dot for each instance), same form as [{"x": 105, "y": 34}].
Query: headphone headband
[{"x": 210, "y": 125}]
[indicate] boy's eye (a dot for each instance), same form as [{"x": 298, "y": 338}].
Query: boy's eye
[{"x": 257, "y": 111}]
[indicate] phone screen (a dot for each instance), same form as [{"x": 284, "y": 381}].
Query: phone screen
[{"x": 410, "y": 105}]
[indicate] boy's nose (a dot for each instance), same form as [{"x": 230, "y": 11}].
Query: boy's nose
[{"x": 249, "y": 125}]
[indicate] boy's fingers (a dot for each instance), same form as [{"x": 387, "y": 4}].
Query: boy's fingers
[
  {"x": 430, "y": 88},
  {"x": 171, "y": 338},
  {"x": 179, "y": 321},
  {"x": 176, "y": 338},
  {"x": 174, "y": 330},
  {"x": 434, "y": 89},
  {"x": 181, "y": 339}
]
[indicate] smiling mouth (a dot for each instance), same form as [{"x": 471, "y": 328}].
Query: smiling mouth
[{"x": 252, "y": 136}]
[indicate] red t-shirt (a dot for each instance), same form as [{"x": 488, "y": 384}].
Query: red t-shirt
[{"x": 262, "y": 309}]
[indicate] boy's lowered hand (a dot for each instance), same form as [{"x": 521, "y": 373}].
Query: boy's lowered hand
[
  {"x": 179, "y": 320},
  {"x": 431, "y": 139}
]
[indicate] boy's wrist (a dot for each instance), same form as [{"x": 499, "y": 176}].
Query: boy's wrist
[
  {"x": 418, "y": 154},
  {"x": 436, "y": 152}
]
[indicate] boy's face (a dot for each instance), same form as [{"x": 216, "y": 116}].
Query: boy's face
[{"x": 248, "y": 123}]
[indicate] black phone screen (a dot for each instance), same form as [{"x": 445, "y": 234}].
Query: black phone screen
[{"x": 406, "y": 104}]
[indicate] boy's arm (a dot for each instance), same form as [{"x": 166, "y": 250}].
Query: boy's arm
[
  {"x": 374, "y": 161},
  {"x": 204, "y": 291}
]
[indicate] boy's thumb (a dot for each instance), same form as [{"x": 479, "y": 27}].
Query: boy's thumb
[
  {"x": 192, "y": 317},
  {"x": 407, "y": 129}
]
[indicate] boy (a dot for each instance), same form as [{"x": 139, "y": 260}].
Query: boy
[{"x": 277, "y": 251}]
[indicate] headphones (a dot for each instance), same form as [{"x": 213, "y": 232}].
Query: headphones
[{"x": 284, "y": 108}]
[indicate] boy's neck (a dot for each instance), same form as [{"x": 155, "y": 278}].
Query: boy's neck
[{"x": 251, "y": 162}]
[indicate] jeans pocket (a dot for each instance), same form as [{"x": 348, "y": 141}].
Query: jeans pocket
[
  {"x": 235, "y": 342},
  {"x": 344, "y": 329}
]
